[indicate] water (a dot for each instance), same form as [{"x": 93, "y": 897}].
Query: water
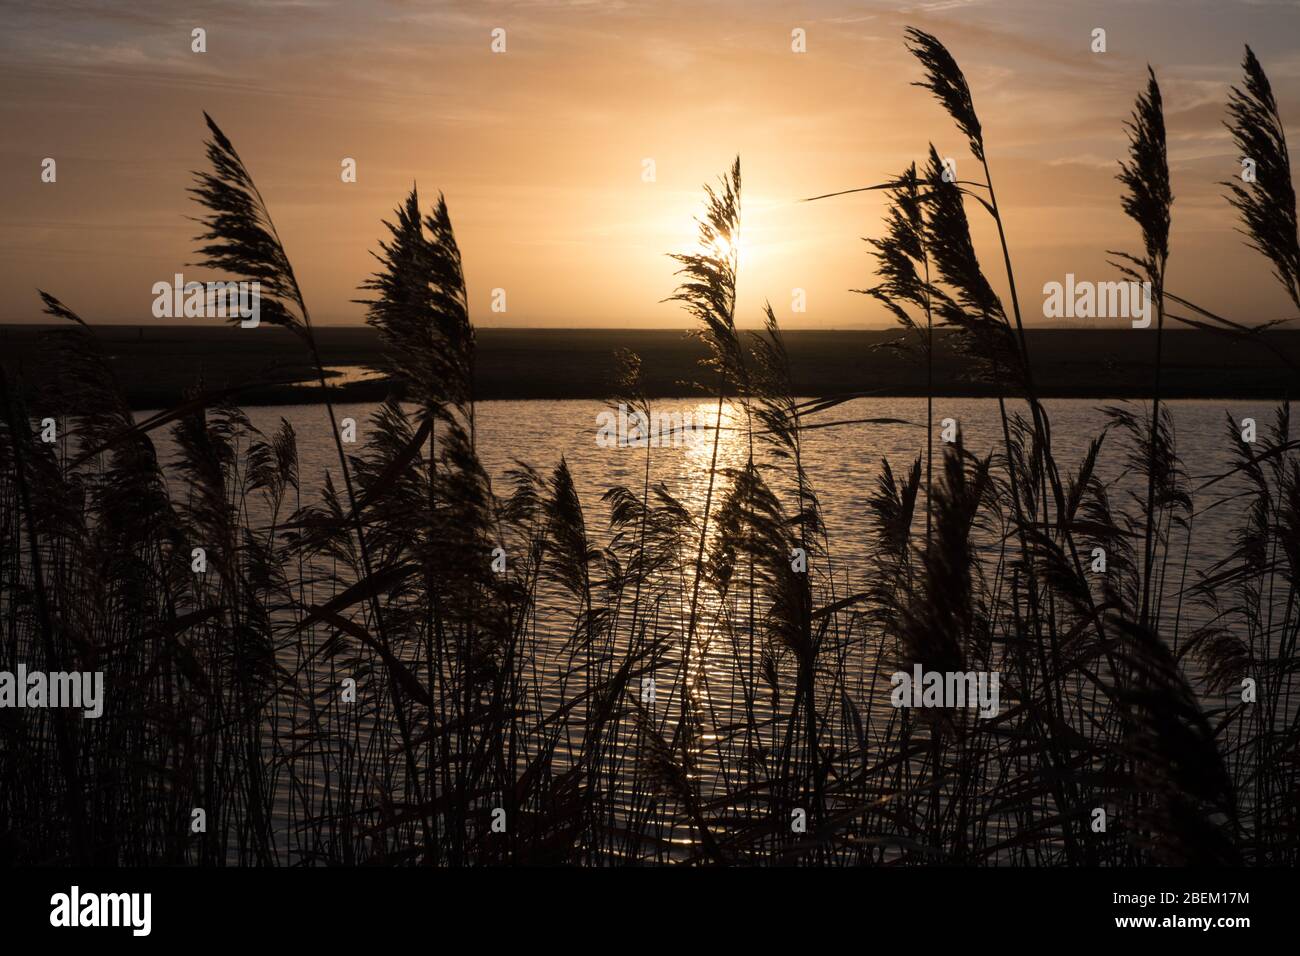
[
  {"x": 348, "y": 374},
  {"x": 843, "y": 462}
]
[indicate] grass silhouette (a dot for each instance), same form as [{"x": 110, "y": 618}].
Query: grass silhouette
[{"x": 373, "y": 677}]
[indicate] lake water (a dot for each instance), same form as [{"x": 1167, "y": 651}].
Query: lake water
[{"x": 843, "y": 462}]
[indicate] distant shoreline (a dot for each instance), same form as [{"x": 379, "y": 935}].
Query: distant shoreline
[{"x": 156, "y": 364}]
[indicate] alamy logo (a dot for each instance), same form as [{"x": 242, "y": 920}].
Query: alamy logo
[
  {"x": 213, "y": 300},
  {"x": 103, "y": 909},
  {"x": 1098, "y": 300},
  {"x": 82, "y": 690},
  {"x": 636, "y": 429},
  {"x": 946, "y": 689}
]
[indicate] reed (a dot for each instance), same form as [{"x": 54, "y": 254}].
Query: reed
[{"x": 429, "y": 664}]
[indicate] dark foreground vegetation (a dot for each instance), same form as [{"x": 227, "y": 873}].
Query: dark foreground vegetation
[{"x": 474, "y": 737}]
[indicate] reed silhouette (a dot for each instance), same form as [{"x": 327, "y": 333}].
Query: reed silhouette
[{"x": 365, "y": 677}]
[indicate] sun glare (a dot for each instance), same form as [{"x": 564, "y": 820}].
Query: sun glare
[{"x": 723, "y": 248}]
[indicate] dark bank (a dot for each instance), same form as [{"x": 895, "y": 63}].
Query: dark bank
[{"x": 156, "y": 364}]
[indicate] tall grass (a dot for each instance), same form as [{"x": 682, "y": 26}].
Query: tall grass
[{"x": 426, "y": 665}]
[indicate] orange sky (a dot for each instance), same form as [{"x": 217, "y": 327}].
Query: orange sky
[{"x": 539, "y": 150}]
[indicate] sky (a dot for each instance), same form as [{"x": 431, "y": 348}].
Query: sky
[{"x": 541, "y": 150}]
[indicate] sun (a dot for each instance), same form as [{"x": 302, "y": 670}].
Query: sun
[{"x": 724, "y": 247}]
